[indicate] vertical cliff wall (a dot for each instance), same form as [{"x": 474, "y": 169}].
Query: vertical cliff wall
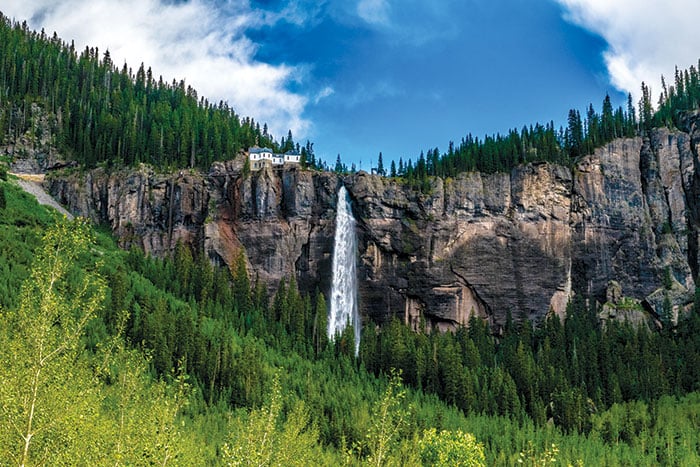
[
  {"x": 471, "y": 246},
  {"x": 475, "y": 244}
]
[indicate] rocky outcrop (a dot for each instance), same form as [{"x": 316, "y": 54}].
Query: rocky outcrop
[
  {"x": 474, "y": 245},
  {"x": 29, "y": 143},
  {"x": 142, "y": 207},
  {"x": 284, "y": 221}
]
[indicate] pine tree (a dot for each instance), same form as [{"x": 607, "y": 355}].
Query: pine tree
[
  {"x": 645, "y": 108},
  {"x": 631, "y": 124},
  {"x": 339, "y": 167},
  {"x": 574, "y": 134},
  {"x": 241, "y": 284},
  {"x": 607, "y": 120},
  {"x": 320, "y": 328}
]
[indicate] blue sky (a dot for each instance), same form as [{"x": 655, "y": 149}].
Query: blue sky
[{"x": 358, "y": 77}]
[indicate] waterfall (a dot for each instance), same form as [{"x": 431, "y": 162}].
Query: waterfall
[{"x": 344, "y": 290}]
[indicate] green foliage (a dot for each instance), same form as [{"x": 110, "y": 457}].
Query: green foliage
[
  {"x": 563, "y": 373},
  {"x": 681, "y": 96},
  {"x": 388, "y": 417},
  {"x": 21, "y": 225},
  {"x": 246, "y": 167},
  {"x": 55, "y": 398},
  {"x": 668, "y": 278},
  {"x": 531, "y": 458},
  {"x": 451, "y": 449},
  {"x": 264, "y": 440},
  {"x": 142, "y": 413},
  {"x": 42, "y": 395}
]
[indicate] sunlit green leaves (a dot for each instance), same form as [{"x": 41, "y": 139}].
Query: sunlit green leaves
[
  {"x": 451, "y": 449},
  {"x": 266, "y": 440}
]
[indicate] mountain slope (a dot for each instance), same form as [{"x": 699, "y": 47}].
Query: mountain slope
[
  {"x": 340, "y": 397},
  {"x": 33, "y": 186}
]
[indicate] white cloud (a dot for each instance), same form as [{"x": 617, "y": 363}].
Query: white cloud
[
  {"x": 323, "y": 93},
  {"x": 374, "y": 11},
  {"x": 646, "y": 38},
  {"x": 192, "y": 40}
]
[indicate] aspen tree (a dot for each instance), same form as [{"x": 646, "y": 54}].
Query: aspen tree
[{"x": 46, "y": 397}]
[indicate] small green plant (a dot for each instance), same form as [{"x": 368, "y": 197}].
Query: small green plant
[
  {"x": 628, "y": 303},
  {"x": 666, "y": 228},
  {"x": 668, "y": 279},
  {"x": 535, "y": 459},
  {"x": 451, "y": 449}
]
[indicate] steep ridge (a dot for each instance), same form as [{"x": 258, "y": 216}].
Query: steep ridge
[{"x": 477, "y": 244}]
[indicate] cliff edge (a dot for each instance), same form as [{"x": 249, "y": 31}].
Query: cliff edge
[{"x": 477, "y": 244}]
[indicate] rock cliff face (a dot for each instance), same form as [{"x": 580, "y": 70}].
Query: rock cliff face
[{"x": 474, "y": 245}]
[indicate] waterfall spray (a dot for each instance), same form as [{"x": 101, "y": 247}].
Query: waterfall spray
[{"x": 343, "y": 309}]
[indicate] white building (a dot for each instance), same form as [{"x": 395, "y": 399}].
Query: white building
[
  {"x": 261, "y": 157},
  {"x": 292, "y": 156}
]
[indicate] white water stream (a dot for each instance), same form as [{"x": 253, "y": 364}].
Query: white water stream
[{"x": 343, "y": 309}]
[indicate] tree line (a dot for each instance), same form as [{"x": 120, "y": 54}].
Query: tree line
[
  {"x": 103, "y": 113},
  {"x": 565, "y": 145},
  {"x": 675, "y": 99},
  {"x": 561, "y": 371},
  {"x": 534, "y": 143}
]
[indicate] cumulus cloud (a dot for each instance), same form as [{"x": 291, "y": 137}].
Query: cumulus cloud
[
  {"x": 197, "y": 41},
  {"x": 646, "y": 38}
]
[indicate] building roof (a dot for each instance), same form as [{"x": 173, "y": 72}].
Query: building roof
[{"x": 259, "y": 150}]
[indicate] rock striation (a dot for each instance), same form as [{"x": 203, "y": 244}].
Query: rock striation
[{"x": 475, "y": 245}]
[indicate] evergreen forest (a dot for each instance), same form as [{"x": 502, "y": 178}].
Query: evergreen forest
[
  {"x": 115, "y": 357},
  {"x": 110, "y": 356}
]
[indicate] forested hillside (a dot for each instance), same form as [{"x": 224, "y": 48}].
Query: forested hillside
[
  {"x": 190, "y": 365},
  {"x": 102, "y": 112}
]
